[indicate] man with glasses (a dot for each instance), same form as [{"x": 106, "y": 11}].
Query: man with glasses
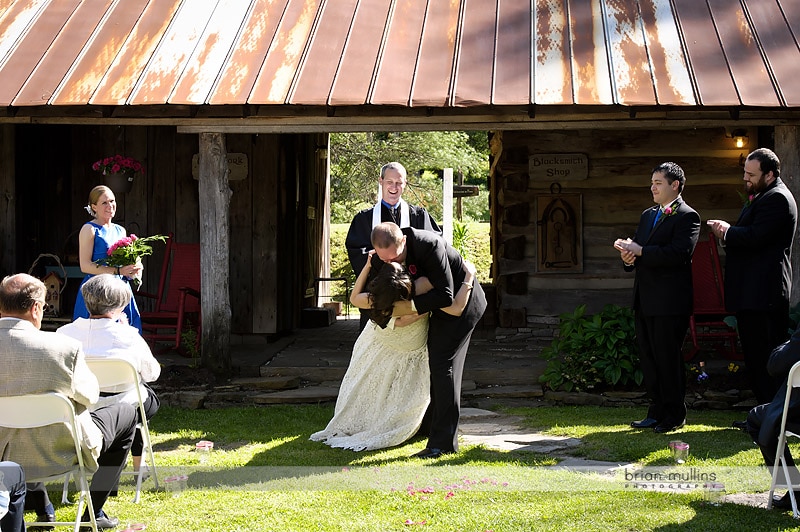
[{"x": 390, "y": 208}]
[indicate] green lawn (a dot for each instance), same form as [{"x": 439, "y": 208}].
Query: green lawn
[{"x": 264, "y": 474}]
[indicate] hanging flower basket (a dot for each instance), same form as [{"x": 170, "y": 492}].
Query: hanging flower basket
[
  {"x": 119, "y": 182},
  {"x": 118, "y": 172}
]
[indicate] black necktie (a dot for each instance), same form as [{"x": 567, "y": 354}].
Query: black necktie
[{"x": 393, "y": 212}]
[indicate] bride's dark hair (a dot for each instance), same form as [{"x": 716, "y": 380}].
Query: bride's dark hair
[{"x": 392, "y": 283}]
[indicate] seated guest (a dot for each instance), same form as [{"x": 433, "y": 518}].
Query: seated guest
[
  {"x": 36, "y": 362},
  {"x": 764, "y": 421},
  {"x": 12, "y": 497},
  {"x": 104, "y": 335}
]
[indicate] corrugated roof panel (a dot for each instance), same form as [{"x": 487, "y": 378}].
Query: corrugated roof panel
[
  {"x": 130, "y": 63},
  {"x": 707, "y": 60},
  {"x": 432, "y": 78},
  {"x": 780, "y": 47},
  {"x": 249, "y": 52},
  {"x": 354, "y": 77},
  {"x": 211, "y": 52},
  {"x": 552, "y": 81},
  {"x": 173, "y": 52},
  {"x": 475, "y": 59},
  {"x": 747, "y": 66},
  {"x": 319, "y": 68},
  {"x": 399, "y": 61},
  {"x": 15, "y": 18},
  {"x": 629, "y": 61},
  {"x": 673, "y": 84},
  {"x": 29, "y": 36},
  {"x": 591, "y": 74},
  {"x": 87, "y": 71},
  {"x": 512, "y": 71},
  {"x": 285, "y": 52}
]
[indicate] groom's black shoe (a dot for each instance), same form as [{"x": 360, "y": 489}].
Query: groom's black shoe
[
  {"x": 646, "y": 423},
  {"x": 431, "y": 453}
]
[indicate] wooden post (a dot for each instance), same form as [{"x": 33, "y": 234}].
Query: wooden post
[
  {"x": 447, "y": 206},
  {"x": 8, "y": 202},
  {"x": 215, "y": 197},
  {"x": 787, "y": 148}
]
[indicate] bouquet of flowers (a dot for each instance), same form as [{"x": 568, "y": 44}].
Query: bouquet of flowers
[
  {"x": 117, "y": 163},
  {"x": 130, "y": 250}
]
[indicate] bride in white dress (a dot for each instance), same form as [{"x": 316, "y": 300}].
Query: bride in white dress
[{"x": 386, "y": 390}]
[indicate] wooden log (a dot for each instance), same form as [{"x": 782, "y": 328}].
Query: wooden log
[
  {"x": 787, "y": 144},
  {"x": 8, "y": 241},
  {"x": 215, "y": 195}
]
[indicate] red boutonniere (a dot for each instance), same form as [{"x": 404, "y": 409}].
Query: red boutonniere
[
  {"x": 669, "y": 211},
  {"x": 412, "y": 269}
]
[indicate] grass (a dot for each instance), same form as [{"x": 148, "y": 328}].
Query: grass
[{"x": 264, "y": 475}]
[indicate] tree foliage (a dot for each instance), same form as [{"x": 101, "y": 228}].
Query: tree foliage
[{"x": 356, "y": 159}]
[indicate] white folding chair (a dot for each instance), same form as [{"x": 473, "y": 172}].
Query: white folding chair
[
  {"x": 115, "y": 372},
  {"x": 780, "y": 463},
  {"x": 33, "y": 411}
]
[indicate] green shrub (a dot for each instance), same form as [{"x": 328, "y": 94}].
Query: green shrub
[{"x": 592, "y": 351}]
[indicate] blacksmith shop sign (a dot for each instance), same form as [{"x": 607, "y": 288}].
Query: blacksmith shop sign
[{"x": 549, "y": 167}]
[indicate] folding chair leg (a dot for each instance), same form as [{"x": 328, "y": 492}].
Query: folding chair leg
[{"x": 65, "y": 490}]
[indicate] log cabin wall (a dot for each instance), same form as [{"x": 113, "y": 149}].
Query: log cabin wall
[
  {"x": 273, "y": 259},
  {"x": 614, "y": 193}
]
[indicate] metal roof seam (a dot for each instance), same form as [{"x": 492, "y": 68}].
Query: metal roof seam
[
  {"x": 724, "y": 53},
  {"x": 451, "y": 89},
  {"x": 34, "y": 16},
  {"x": 686, "y": 55},
  {"x": 770, "y": 72},
  {"x": 304, "y": 55},
  {"x": 419, "y": 53},
  {"x": 218, "y": 79},
  {"x": 609, "y": 55},
  {"x": 381, "y": 50},
  {"x": 494, "y": 53},
  {"x": 345, "y": 46},
  {"x": 647, "y": 51}
]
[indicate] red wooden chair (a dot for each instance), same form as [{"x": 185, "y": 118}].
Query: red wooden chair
[
  {"x": 177, "y": 303},
  {"x": 709, "y": 300}
]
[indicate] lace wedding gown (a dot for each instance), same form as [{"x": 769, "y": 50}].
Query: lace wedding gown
[{"x": 386, "y": 389}]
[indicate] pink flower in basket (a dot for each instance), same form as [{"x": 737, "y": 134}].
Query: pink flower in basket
[{"x": 117, "y": 163}]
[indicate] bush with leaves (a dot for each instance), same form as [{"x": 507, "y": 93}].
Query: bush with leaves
[{"x": 593, "y": 351}]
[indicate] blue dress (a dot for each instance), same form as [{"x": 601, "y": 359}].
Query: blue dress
[{"x": 105, "y": 237}]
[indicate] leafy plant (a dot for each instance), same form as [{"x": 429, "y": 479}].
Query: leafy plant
[
  {"x": 591, "y": 351},
  {"x": 460, "y": 238},
  {"x": 189, "y": 343}
]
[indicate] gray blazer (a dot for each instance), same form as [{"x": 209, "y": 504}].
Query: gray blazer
[{"x": 35, "y": 362}]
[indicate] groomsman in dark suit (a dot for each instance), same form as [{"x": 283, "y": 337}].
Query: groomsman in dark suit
[
  {"x": 661, "y": 254},
  {"x": 758, "y": 268},
  {"x": 390, "y": 208},
  {"x": 426, "y": 254}
]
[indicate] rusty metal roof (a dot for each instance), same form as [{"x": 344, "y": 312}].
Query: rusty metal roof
[{"x": 407, "y": 53}]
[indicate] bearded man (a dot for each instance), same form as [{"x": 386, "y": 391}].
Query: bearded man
[{"x": 758, "y": 267}]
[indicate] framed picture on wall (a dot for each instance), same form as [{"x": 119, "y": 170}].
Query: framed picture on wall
[{"x": 559, "y": 226}]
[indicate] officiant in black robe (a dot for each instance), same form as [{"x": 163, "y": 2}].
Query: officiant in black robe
[{"x": 390, "y": 208}]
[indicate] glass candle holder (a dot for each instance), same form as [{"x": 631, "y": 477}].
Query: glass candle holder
[
  {"x": 176, "y": 484},
  {"x": 203, "y": 449},
  {"x": 679, "y": 450},
  {"x": 714, "y": 493}
]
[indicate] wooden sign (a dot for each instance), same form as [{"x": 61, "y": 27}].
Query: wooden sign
[
  {"x": 558, "y": 166},
  {"x": 237, "y": 166},
  {"x": 465, "y": 191}
]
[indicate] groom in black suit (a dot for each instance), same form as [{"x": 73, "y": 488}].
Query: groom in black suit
[
  {"x": 661, "y": 254},
  {"x": 424, "y": 253}
]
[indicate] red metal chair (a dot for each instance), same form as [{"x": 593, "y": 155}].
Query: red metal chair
[
  {"x": 177, "y": 303},
  {"x": 709, "y": 301}
]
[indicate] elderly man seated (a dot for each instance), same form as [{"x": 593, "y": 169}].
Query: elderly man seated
[
  {"x": 35, "y": 362},
  {"x": 764, "y": 421}
]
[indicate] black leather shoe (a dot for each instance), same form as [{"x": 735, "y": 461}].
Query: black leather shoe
[
  {"x": 668, "y": 426},
  {"x": 646, "y": 423},
  {"x": 785, "y": 502},
  {"x": 104, "y": 522},
  {"x": 431, "y": 453},
  {"x": 741, "y": 425}
]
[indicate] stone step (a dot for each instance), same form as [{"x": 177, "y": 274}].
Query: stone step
[
  {"x": 497, "y": 392},
  {"x": 280, "y": 382}
]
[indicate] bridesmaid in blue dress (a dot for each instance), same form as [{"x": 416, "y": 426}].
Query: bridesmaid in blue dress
[{"x": 94, "y": 240}]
